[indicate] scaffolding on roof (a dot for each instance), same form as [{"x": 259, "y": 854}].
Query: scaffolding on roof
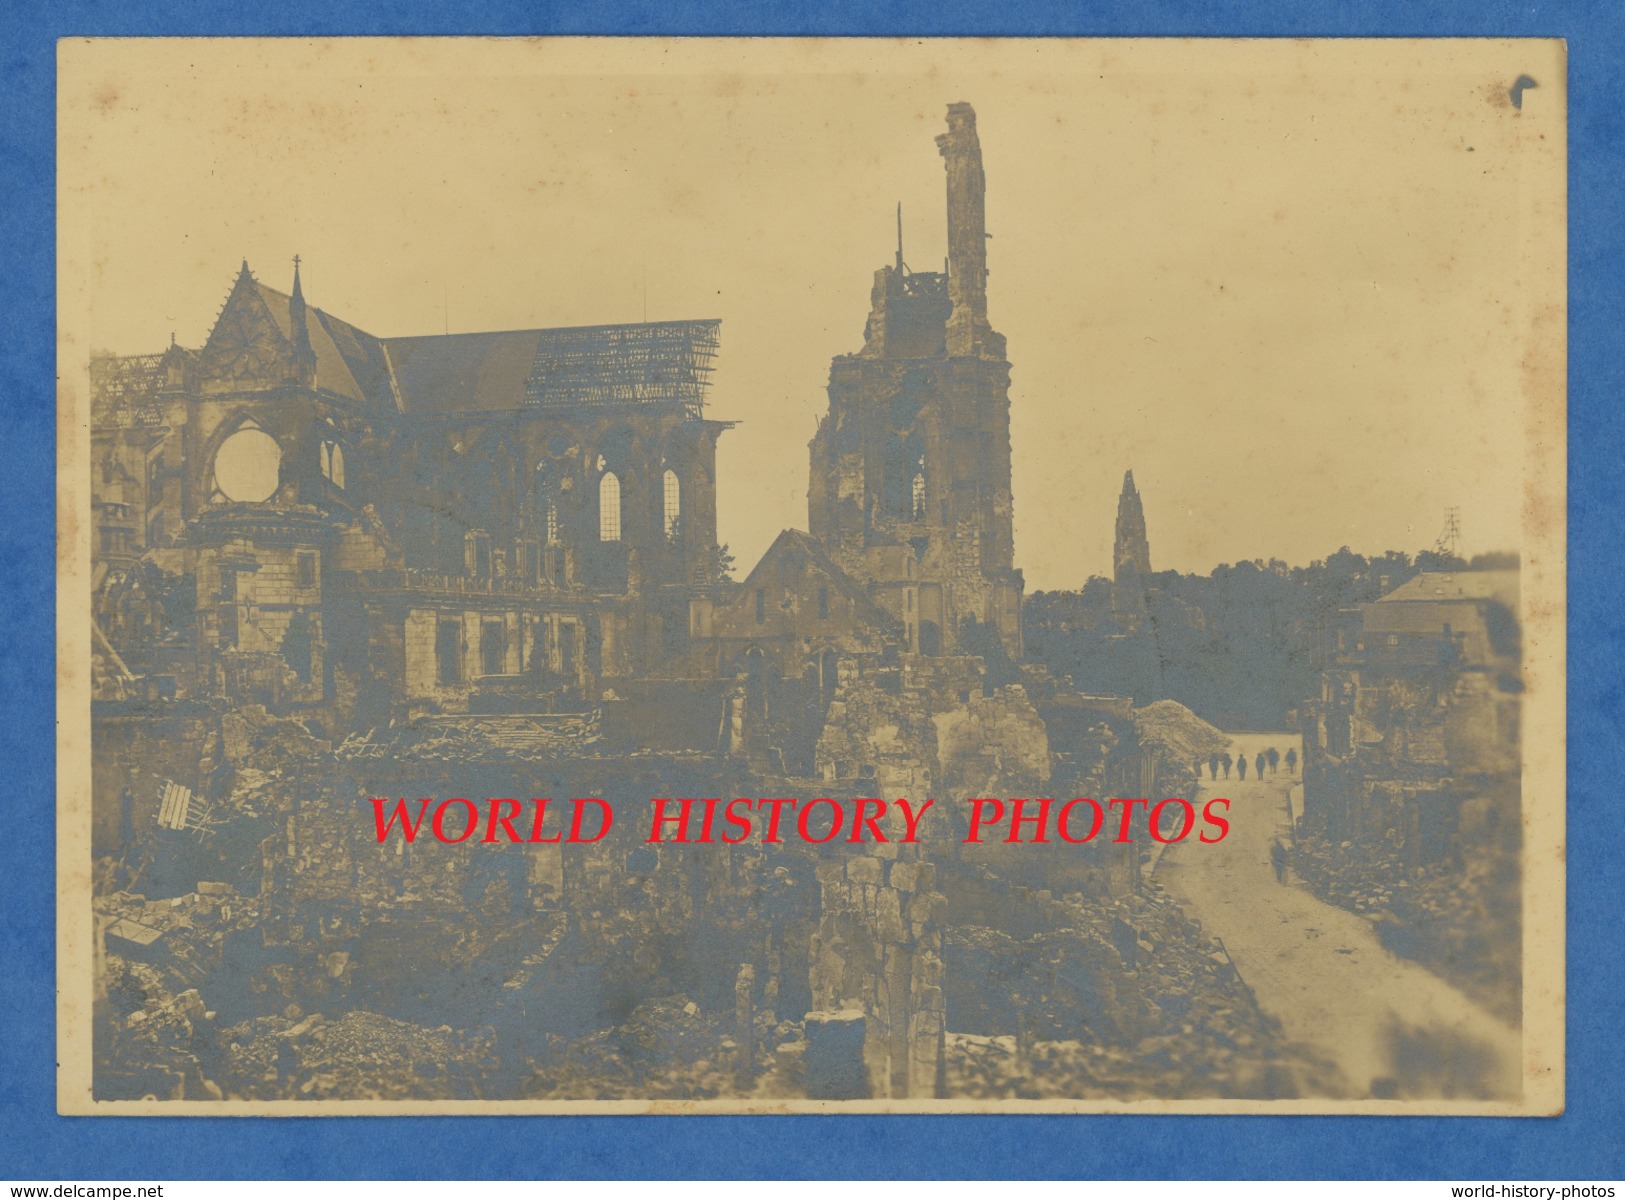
[
  {"x": 120, "y": 383},
  {"x": 667, "y": 362}
]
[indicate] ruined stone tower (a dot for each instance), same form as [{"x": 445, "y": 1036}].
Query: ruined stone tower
[
  {"x": 1131, "y": 556},
  {"x": 910, "y": 468}
]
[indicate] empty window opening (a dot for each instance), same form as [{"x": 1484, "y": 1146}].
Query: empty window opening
[
  {"x": 478, "y": 554},
  {"x": 333, "y": 463},
  {"x": 609, "y": 508},
  {"x": 673, "y": 504}
]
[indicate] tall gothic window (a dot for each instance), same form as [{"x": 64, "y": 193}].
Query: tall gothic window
[
  {"x": 903, "y": 476},
  {"x": 673, "y": 494},
  {"x": 609, "y": 508},
  {"x": 547, "y": 501},
  {"x": 333, "y": 463}
]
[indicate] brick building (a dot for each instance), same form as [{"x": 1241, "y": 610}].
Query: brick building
[{"x": 1418, "y": 712}]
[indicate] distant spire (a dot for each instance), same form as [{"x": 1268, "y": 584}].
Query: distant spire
[
  {"x": 245, "y": 270},
  {"x": 296, "y": 316},
  {"x": 899, "y": 237},
  {"x": 1131, "y": 557}
]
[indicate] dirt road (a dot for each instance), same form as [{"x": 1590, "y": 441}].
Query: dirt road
[{"x": 1393, "y": 1028}]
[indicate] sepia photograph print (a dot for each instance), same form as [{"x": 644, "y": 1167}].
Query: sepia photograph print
[{"x": 733, "y": 576}]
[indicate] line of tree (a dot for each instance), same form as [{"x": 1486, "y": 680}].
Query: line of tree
[{"x": 1236, "y": 646}]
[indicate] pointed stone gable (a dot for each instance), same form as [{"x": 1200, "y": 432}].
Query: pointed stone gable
[{"x": 246, "y": 349}]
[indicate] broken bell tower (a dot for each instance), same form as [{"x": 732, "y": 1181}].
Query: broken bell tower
[{"x": 910, "y": 473}]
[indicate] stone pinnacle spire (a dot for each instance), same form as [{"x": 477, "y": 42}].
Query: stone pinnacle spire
[
  {"x": 1132, "y": 554},
  {"x": 296, "y": 317}
]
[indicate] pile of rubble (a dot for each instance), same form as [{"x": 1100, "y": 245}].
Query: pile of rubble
[
  {"x": 668, "y": 1048},
  {"x": 1005, "y": 1068},
  {"x": 868, "y": 727},
  {"x": 1180, "y": 739},
  {"x": 488, "y": 737},
  {"x": 250, "y": 733},
  {"x": 1461, "y": 921},
  {"x": 265, "y": 757},
  {"x": 179, "y": 940},
  {"x": 160, "y": 1047},
  {"x": 159, "y": 957},
  {"x": 1117, "y": 996},
  {"x": 359, "y": 1056}
]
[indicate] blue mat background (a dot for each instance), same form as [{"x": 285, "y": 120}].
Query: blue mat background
[{"x": 37, "y": 1145}]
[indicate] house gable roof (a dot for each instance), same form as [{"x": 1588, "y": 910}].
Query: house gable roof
[
  {"x": 1501, "y": 586},
  {"x": 798, "y": 548}
]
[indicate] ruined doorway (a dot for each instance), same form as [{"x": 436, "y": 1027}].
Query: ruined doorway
[
  {"x": 567, "y": 651},
  {"x": 493, "y": 648},
  {"x": 298, "y": 643}
]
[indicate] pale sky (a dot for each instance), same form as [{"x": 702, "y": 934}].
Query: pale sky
[{"x": 1295, "y": 286}]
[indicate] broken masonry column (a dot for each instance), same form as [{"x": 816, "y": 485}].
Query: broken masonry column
[
  {"x": 927, "y": 912},
  {"x": 834, "y": 1056},
  {"x": 745, "y": 1021},
  {"x": 961, "y": 150},
  {"x": 775, "y": 969}
]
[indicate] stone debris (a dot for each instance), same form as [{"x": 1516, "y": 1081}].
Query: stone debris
[
  {"x": 1130, "y": 996},
  {"x": 361, "y": 1055},
  {"x": 1461, "y": 920},
  {"x": 480, "y": 738},
  {"x": 666, "y": 1049}
]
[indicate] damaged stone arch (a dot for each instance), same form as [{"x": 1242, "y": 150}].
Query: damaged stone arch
[
  {"x": 829, "y": 672},
  {"x": 903, "y": 475},
  {"x": 903, "y": 459},
  {"x": 252, "y": 457},
  {"x": 426, "y": 507},
  {"x": 335, "y": 449},
  {"x": 678, "y": 465},
  {"x": 493, "y": 479},
  {"x": 547, "y": 484},
  {"x": 910, "y": 398}
]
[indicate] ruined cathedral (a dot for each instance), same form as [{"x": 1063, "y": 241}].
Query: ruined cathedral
[
  {"x": 409, "y": 525},
  {"x": 332, "y": 564},
  {"x": 401, "y": 524}
]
